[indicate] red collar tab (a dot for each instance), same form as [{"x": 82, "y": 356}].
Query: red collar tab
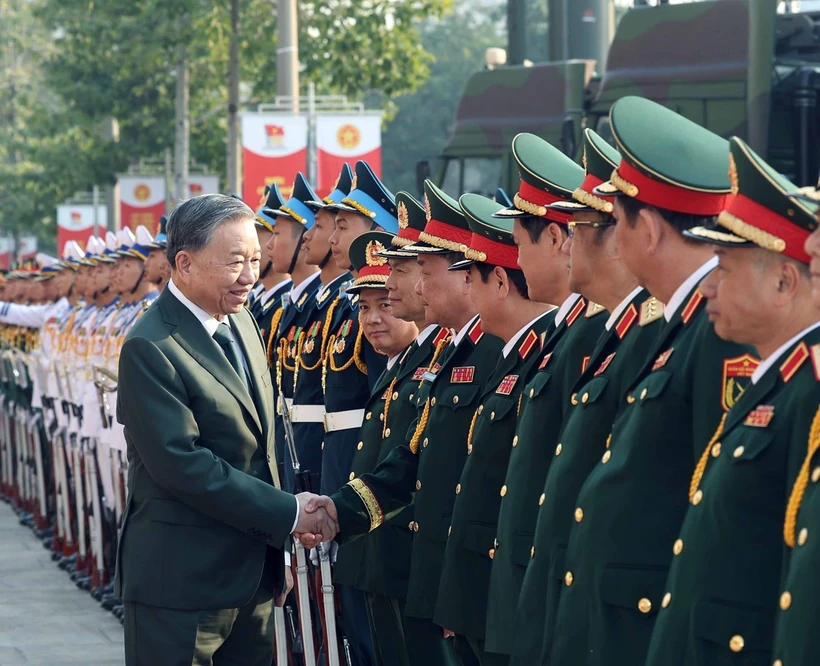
[
  {"x": 442, "y": 335},
  {"x": 691, "y": 307},
  {"x": 627, "y": 319},
  {"x": 670, "y": 197},
  {"x": 792, "y": 364},
  {"x": 576, "y": 311},
  {"x": 475, "y": 333},
  {"x": 528, "y": 345}
]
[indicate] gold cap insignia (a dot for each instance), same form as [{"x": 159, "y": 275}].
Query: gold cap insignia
[
  {"x": 403, "y": 216},
  {"x": 427, "y": 210},
  {"x": 354, "y": 182},
  {"x": 733, "y": 175},
  {"x": 370, "y": 254}
]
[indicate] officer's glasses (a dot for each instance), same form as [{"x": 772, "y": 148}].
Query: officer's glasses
[{"x": 594, "y": 225}]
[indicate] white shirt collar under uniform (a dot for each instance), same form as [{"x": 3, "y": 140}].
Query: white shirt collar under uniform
[
  {"x": 566, "y": 306},
  {"x": 425, "y": 333},
  {"x": 298, "y": 290},
  {"x": 617, "y": 312},
  {"x": 210, "y": 322},
  {"x": 463, "y": 332},
  {"x": 769, "y": 361},
  {"x": 514, "y": 339},
  {"x": 688, "y": 285},
  {"x": 264, "y": 298}
]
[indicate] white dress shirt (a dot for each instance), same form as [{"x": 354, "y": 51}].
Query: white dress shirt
[
  {"x": 566, "y": 306},
  {"x": 688, "y": 285},
  {"x": 618, "y": 311},
  {"x": 514, "y": 339}
]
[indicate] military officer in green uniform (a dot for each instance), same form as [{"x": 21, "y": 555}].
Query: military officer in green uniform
[
  {"x": 499, "y": 291},
  {"x": 597, "y": 272},
  {"x": 719, "y": 600},
  {"x": 547, "y": 176},
  {"x": 427, "y": 469},
  {"x": 794, "y": 640},
  {"x": 673, "y": 176}
]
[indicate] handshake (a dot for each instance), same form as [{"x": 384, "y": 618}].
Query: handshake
[{"x": 318, "y": 520}]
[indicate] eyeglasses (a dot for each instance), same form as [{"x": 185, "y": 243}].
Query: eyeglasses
[{"x": 594, "y": 225}]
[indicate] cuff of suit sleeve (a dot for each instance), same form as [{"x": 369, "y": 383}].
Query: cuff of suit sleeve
[{"x": 296, "y": 518}]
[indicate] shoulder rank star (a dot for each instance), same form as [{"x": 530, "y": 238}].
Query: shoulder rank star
[
  {"x": 662, "y": 359},
  {"x": 605, "y": 364},
  {"x": 651, "y": 310},
  {"x": 593, "y": 309}
]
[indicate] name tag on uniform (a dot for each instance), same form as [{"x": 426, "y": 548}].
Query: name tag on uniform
[
  {"x": 507, "y": 385},
  {"x": 428, "y": 377},
  {"x": 419, "y": 374},
  {"x": 462, "y": 375},
  {"x": 760, "y": 416}
]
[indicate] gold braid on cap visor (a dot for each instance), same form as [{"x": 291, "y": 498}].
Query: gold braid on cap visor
[
  {"x": 711, "y": 234},
  {"x": 623, "y": 185},
  {"x": 397, "y": 241},
  {"x": 589, "y": 199},
  {"x": 529, "y": 207},
  {"x": 473, "y": 255},
  {"x": 369, "y": 279},
  {"x": 441, "y": 243},
  {"x": 358, "y": 207},
  {"x": 292, "y": 213},
  {"x": 759, "y": 237}
]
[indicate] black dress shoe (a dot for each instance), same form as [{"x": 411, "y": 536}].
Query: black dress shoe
[
  {"x": 84, "y": 583},
  {"x": 46, "y": 534},
  {"x": 56, "y": 555},
  {"x": 111, "y": 602},
  {"x": 67, "y": 562}
]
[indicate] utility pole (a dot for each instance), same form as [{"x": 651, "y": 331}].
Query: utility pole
[
  {"x": 287, "y": 53},
  {"x": 182, "y": 147},
  {"x": 111, "y": 132},
  {"x": 517, "y": 31},
  {"x": 234, "y": 178},
  {"x": 581, "y": 29}
]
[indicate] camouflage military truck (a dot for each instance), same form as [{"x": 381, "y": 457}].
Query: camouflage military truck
[{"x": 734, "y": 66}]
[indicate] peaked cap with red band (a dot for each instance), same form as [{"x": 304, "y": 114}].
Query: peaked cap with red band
[
  {"x": 412, "y": 220},
  {"x": 599, "y": 160},
  {"x": 667, "y": 161},
  {"x": 760, "y": 212},
  {"x": 491, "y": 241},
  {"x": 365, "y": 256},
  {"x": 547, "y": 176},
  {"x": 445, "y": 230}
]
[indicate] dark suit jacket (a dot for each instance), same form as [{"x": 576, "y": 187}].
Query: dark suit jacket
[{"x": 203, "y": 508}]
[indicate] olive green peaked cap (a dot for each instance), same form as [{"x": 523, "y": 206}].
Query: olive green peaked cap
[
  {"x": 547, "y": 176},
  {"x": 445, "y": 229},
  {"x": 761, "y": 212},
  {"x": 365, "y": 257},
  {"x": 491, "y": 239},
  {"x": 412, "y": 220},
  {"x": 667, "y": 161},
  {"x": 600, "y": 159}
]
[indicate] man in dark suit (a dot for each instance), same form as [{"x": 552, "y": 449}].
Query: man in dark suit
[{"x": 200, "y": 561}]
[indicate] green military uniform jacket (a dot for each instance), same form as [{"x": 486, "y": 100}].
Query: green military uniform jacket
[
  {"x": 427, "y": 470},
  {"x": 465, "y": 579},
  {"x": 798, "y": 612},
  {"x": 619, "y": 353},
  {"x": 203, "y": 511},
  {"x": 543, "y": 402},
  {"x": 727, "y": 563},
  {"x": 379, "y": 563},
  {"x": 630, "y": 508}
]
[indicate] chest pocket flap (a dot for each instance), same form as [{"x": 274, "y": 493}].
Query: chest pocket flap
[
  {"x": 458, "y": 396},
  {"x": 751, "y": 443},
  {"x": 724, "y": 624},
  {"x": 536, "y": 386},
  {"x": 497, "y": 407},
  {"x": 651, "y": 387},
  {"x": 480, "y": 537},
  {"x": 630, "y": 587},
  {"x": 591, "y": 391}
]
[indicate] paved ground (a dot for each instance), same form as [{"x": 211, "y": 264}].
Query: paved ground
[{"x": 44, "y": 618}]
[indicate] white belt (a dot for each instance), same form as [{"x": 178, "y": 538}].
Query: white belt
[
  {"x": 307, "y": 413},
  {"x": 347, "y": 420},
  {"x": 288, "y": 402}
]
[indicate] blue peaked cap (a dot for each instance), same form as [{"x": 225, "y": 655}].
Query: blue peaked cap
[{"x": 369, "y": 197}]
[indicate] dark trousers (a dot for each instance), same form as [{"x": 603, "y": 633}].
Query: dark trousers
[
  {"x": 479, "y": 654},
  {"x": 224, "y": 637},
  {"x": 356, "y": 626},
  {"x": 399, "y": 640}
]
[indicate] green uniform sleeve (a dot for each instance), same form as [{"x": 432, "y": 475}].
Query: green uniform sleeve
[{"x": 153, "y": 408}]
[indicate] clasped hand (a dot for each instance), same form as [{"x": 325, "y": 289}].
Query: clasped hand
[{"x": 318, "y": 520}]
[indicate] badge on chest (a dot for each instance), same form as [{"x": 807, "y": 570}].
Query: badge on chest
[
  {"x": 462, "y": 374},
  {"x": 760, "y": 416},
  {"x": 507, "y": 385}
]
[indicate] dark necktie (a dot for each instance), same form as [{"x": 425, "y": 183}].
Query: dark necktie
[{"x": 224, "y": 338}]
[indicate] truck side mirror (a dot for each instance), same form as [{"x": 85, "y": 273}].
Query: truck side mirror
[
  {"x": 568, "y": 143},
  {"x": 422, "y": 174}
]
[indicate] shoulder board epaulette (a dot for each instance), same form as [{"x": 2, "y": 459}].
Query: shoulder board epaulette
[
  {"x": 792, "y": 364},
  {"x": 593, "y": 309},
  {"x": 576, "y": 311},
  {"x": 267, "y": 306},
  {"x": 651, "y": 310},
  {"x": 475, "y": 333},
  {"x": 691, "y": 306},
  {"x": 302, "y": 299},
  {"x": 355, "y": 299},
  {"x": 405, "y": 353},
  {"x": 530, "y": 340},
  {"x": 442, "y": 334},
  {"x": 815, "y": 360},
  {"x": 627, "y": 319}
]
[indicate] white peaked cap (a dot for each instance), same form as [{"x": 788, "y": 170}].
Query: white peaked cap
[
  {"x": 72, "y": 250},
  {"x": 100, "y": 245},
  {"x": 143, "y": 236},
  {"x": 111, "y": 241},
  {"x": 44, "y": 260},
  {"x": 91, "y": 246},
  {"x": 126, "y": 237}
]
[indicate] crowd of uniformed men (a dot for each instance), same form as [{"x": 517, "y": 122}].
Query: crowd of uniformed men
[{"x": 581, "y": 428}]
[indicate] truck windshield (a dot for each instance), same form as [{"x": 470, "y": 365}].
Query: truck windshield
[{"x": 482, "y": 175}]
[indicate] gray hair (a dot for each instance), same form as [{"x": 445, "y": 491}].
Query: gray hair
[{"x": 192, "y": 224}]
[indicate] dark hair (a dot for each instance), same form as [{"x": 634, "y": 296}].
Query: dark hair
[
  {"x": 515, "y": 275},
  {"x": 534, "y": 226},
  {"x": 452, "y": 257},
  {"x": 680, "y": 222}
]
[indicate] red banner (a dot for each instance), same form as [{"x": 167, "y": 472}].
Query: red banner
[
  {"x": 142, "y": 201},
  {"x": 6, "y": 248},
  {"x": 204, "y": 184},
  {"x": 346, "y": 138},
  {"x": 27, "y": 248},
  {"x": 274, "y": 150},
  {"x": 77, "y": 223}
]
